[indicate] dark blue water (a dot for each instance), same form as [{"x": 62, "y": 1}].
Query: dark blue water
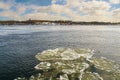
[{"x": 19, "y": 44}]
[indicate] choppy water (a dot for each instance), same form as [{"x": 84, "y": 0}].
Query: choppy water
[{"x": 19, "y": 44}]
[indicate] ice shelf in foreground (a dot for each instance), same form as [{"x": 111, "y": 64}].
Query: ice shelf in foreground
[{"x": 74, "y": 64}]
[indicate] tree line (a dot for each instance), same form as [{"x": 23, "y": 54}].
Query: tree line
[{"x": 57, "y": 22}]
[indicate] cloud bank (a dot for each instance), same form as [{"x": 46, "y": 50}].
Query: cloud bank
[{"x": 76, "y": 10}]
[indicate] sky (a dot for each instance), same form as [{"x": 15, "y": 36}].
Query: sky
[{"x": 75, "y": 10}]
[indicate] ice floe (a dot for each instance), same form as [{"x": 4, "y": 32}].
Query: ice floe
[{"x": 74, "y": 64}]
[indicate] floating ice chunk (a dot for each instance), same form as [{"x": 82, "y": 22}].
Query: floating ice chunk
[
  {"x": 73, "y": 64},
  {"x": 98, "y": 76},
  {"x": 19, "y": 78},
  {"x": 69, "y": 54},
  {"x": 82, "y": 70},
  {"x": 105, "y": 64},
  {"x": 43, "y": 65},
  {"x": 68, "y": 71},
  {"x": 64, "y": 77},
  {"x": 64, "y": 54}
]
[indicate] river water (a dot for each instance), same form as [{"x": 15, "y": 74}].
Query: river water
[{"x": 20, "y": 44}]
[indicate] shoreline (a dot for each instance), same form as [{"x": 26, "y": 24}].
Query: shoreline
[{"x": 60, "y": 22}]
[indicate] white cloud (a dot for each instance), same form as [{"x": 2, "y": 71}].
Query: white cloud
[
  {"x": 53, "y": 1},
  {"x": 57, "y": 1},
  {"x": 58, "y": 8},
  {"x": 44, "y": 16},
  {"x": 115, "y": 1},
  {"x": 77, "y": 10},
  {"x": 116, "y": 13},
  {"x": 73, "y": 3},
  {"x": 43, "y": 9},
  {"x": 3, "y": 5},
  {"x": 95, "y": 8},
  {"x": 21, "y": 9},
  {"x": 10, "y": 14}
]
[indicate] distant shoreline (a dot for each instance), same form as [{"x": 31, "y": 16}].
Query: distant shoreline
[{"x": 59, "y": 22}]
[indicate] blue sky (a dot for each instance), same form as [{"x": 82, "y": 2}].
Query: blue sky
[
  {"x": 49, "y": 2},
  {"x": 76, "y": 10},
  {"x": 35, "y": 2}
]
